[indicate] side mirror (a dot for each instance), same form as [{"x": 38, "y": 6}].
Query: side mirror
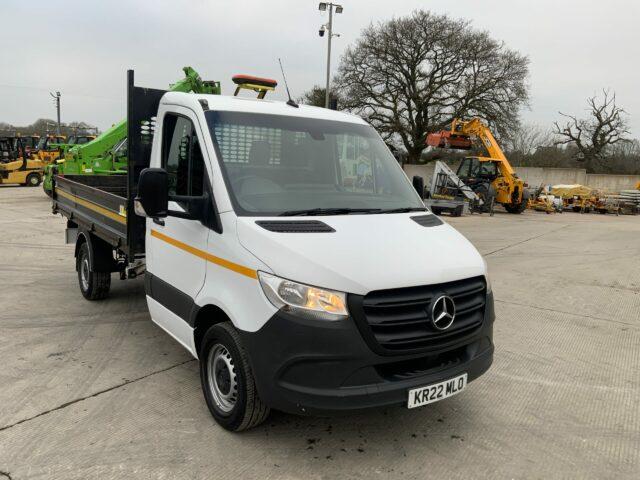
[
  {"x": 153, "y": 193},
  {"x": 418, "y": 184}
]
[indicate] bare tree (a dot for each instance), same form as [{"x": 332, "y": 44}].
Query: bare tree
[
  {"x": 606, "y": 126},
  {"x": 415, "y": 74},
  {"x": 526, "y": 138}
]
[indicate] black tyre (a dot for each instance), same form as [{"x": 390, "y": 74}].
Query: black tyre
[
  {"x": 487, "y": 194},
  {"x": 227, "y": 380},
  {"x": 516, "y": 208},
  {"x": 93, "y": 285},
  {"x": 33, "y": 180},
  {"x": 458, "y": 211}
]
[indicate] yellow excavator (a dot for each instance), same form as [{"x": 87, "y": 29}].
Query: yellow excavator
[{"x": 492, "y": 178}]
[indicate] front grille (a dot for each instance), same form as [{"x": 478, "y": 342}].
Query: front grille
[{"x": 399, "y": 320}]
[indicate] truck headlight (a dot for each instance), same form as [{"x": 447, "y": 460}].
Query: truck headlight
[{"x": 303, "y": 299}]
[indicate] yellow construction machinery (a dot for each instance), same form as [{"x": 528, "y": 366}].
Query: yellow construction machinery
[
  {"x": 16, "y": 164},
  {"x": 579, "y": 198},
  {"x": 542, "y": 201},
  {"x": 492, "y": 178},
  {"x": 48, "y": 148}
]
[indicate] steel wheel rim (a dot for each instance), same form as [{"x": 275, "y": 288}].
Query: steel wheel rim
[
  {"x": 84, "y": 273},
  {"x": 33, "y": 181},
  {"x": 222, "y": 378}
]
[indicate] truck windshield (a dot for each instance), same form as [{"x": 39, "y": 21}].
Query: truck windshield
[{"x": 275, "y": 165}]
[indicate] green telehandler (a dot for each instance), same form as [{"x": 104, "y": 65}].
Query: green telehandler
[{"x": 107, "y": 154}]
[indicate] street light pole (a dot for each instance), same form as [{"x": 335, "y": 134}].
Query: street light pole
[
  {"x": 326, "y": 91},
  {"x": 56, "y": 98},
  {"x": 329, "y": 27}
]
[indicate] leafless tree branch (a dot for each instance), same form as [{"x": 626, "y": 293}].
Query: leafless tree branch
[{"x": 606, "y": 126}]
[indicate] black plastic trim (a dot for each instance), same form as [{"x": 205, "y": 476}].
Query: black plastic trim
[
  {"x": 300, "y": 226},
  {"x": 170, "y": 297},
  {"x": 427, "y": 220}
]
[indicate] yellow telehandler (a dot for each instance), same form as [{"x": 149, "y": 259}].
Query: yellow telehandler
[{"x": 492, "y": 178}]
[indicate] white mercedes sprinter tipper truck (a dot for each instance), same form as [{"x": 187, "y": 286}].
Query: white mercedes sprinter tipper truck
[{"x": 286, "y": 250}]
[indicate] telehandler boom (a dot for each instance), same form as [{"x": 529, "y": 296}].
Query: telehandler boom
[
  {"x": 492, "y": 177},
  {"x": 107, "y": 154}
]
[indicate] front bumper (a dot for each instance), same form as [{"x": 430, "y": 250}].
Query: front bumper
[{"x": 308, "y": 366}]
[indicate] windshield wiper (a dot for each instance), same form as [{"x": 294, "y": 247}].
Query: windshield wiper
[
  {"x": 403, "y": 210},
  {"x": 327, "y": 211}
]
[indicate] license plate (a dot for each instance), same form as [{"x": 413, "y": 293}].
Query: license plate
[{"x": 438, "y": 391}]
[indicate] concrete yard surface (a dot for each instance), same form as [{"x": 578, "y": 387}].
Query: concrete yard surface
[{"x": 96, "y": 390}]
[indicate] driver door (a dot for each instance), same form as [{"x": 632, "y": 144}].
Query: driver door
[{"x": 176, "y": 246}]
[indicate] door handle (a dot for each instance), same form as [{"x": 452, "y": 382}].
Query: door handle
[{"x": 158, "y": 221}]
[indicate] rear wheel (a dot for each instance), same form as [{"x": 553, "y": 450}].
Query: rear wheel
[
  {"x": 33, "y": 180},
  {"x": 93, "y": 285},
  {"x": 227, "y": 380}
]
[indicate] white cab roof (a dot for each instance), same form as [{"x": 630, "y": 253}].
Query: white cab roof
[{"x": 253, "y": 105}]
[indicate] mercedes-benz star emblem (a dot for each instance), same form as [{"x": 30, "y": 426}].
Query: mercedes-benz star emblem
[{"x": 443, "y": 312}]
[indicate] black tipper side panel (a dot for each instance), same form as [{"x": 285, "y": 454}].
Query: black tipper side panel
[
  {"x": 427, "y": 220},
  {"x": 299, "y": 226},
  {"x": 142, "y": 107}
]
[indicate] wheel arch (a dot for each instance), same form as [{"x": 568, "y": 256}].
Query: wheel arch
[
  {"x": 83, "y": 237},
  {"x": 203, "y": 318},
  {"x": 100, "y": 252}
]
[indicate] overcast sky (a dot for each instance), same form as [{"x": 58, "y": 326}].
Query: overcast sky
[{"x": 83, "y": 48}]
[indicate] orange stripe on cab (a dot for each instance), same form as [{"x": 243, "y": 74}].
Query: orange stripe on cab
[{"x": 242, "y": 270}]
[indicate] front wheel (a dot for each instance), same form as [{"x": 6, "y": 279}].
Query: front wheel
[
  {"x": 518, "y": 207},
  {"x": 33, "y": 180},
  {"x": 227, "y": 380}
]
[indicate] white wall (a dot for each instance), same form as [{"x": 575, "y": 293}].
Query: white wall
[{"x": 536, "y": 176}]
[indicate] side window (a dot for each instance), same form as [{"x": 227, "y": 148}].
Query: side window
[
  {"x": 463, "y": 170},
  {"x": 182, "y": 157}
]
